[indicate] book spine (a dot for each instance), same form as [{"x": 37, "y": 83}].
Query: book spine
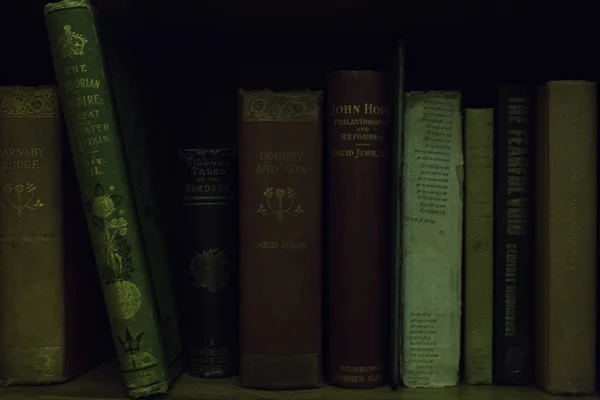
[
  {"x": 106, "y": 193},
  {"x": 31, "y": 229},
  {"x": 55, "y": 338},
  {"x": 280, "y": 145},
  {"x": 137, "y": 126},
  {"x": 396, "y": 218},
  {"x": 479, "y": 258},
  {"x": 432, "y": 239},
  {"x": 566, "y": 237},
  {"x": 208, "y": 249},
  {"x": 359, "y": 130},
  {"x": 512, "y": 358}
]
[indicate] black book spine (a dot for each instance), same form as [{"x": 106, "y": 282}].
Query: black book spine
[
  {"x": 209, "y": 259},
  {"x": 513, "y": 262}
]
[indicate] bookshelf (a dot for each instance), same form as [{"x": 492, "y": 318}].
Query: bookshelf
[
  {"x": 202, "y": 51},
  {"x": 103, "y": 383}
]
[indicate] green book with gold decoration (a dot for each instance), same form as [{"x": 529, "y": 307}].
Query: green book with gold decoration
[{"x": 135, "y": 306}]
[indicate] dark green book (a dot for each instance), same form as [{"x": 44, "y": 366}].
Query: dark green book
[{"x": 112, "y": 215}]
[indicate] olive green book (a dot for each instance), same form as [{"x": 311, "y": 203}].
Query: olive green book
[{"x": 105, "y": 185}]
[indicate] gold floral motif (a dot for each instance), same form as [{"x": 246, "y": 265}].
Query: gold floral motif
[
  {"x": 282, "y": 106},
  {"x": 131, "y": 346},
  {"x": 19, "y": 101},
  {"x": 123, "y": 298},
  {"x": 32, "y": 365},
  {"x": 211, "y": 269},
  {"x": 70, "y": 43},
  {"x": 19, "y": 197},
  {"x": 285, "y": 199}
]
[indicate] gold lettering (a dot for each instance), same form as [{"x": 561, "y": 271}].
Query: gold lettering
[
  {"x": 208, "y": 171},
  {"x": 86, "y": 115},
  {"x": 287, "y": 156},
  {"x": 294, "y": 170},
  {"x": 19, "y": 164},
  {"x": 342, "y": 153},
  {"x": 360, "y": 122},
  {"x": 374, "y": 109},
  {"x": 293, "y": 245},
  {"x": 84, "y": 109},
  {"x": 265, "y": 245},
  {"x": 21, "y": 152},
  {"x": 267, "y": 169},
  {"x": 369, "y": 373},
  {"x": 34, "y": 153},
  {"x": 97, "y": 128},
  {"x": 366, "y": 153},
  {"x": 360, "y": 368},
  {"x": 344, "y": 109},
  {"x": 208, "y": 176},
  {"x": 352, "y": 378},
  {"x": 94, "y": 162},
  {"x": 199, "y": 189},
  {"x": 285, "y": 201},
  {"x": 94, "y": 140},
  {"x": 82, "y": 83},
  {"x": 85, "y": 101},
  {"x": 361, "y": 136},
  {"x": 75, "y": 69}
]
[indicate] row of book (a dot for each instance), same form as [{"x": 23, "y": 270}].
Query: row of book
[{"x": 395, "y": 182}]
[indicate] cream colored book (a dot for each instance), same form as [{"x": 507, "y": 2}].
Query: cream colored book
[
  {"x": 479, "y": 255},
  {"x": 432, "y": 239}
]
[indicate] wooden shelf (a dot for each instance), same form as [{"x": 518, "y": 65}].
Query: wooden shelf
[{"x": 104, "y": 383}]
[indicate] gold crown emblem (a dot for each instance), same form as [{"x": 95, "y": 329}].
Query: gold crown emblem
[{"x": 70, "y": 43}]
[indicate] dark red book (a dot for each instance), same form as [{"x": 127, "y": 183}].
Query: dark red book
[
  {"x": 359, "y": 130},
  {"x": 280, "y": 153}
]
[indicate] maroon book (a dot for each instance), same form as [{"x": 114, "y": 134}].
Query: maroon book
[
  {"x": 359, "y": 154},
  {"x": 280, "y": 145}
]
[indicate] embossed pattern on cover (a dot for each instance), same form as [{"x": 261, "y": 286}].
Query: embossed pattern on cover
[
  {"x": 280, "y": 142},
  {"x": 45, "y": 337},
  {"x": 111, "y": 214}
]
